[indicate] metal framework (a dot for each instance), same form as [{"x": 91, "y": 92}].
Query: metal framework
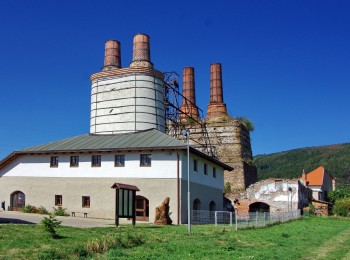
[{"x": 174, "y": 125}]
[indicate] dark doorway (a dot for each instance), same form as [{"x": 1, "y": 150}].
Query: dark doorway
[
  {"x": 142, "y": 208},
  {"x": 17, "y": 201},
  {"x": 196, "y": 204},
  {"x": 212, "y": 206},
  {"x": 259, "y": 206}
]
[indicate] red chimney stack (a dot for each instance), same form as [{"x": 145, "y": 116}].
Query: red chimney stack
[
  {"x": 112, "y": 55},
  {"x": 188, "y": 106},
  {"x": 141, "y": 51},
  {"x": 216, "y": 107}
]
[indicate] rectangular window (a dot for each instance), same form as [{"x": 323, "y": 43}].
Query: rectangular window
[
  {"x": 86, "y": 201},
  {"x": 96, "y": 161},
  {"x": 214, "y": 172},
  {"x": 145, "y": 160},
  {"x": 54, "y": 161},
  {"x": 74, "y": 161},
  {"x": 119, "y": 160},
  {"x": 195, "y": 166},
  {"x": 205, "y": 169},
  {"x": 58, "y": 200}
]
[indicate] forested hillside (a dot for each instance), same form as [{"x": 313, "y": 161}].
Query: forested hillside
[{"x": 290, "y": 164}]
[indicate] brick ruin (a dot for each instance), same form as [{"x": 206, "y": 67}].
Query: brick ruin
[{"x": 229, "y": 137}]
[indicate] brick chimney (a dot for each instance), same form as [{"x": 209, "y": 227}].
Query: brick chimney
[
  {"x": 112, "y": 55},
  {"x": 216, "y": 107},
  {"x": 141, "y": 52},
  {"x": 188, "y": 106}
]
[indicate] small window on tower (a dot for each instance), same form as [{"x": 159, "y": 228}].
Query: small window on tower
[
  {"x": 54, "y": 161},
  {"x": 205, "y": 169},
  {"x": 214, "y": 172},
  {"x": 86, "y": 201}
]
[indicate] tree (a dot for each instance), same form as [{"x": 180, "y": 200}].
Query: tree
[{"x": 341, "y": 192}]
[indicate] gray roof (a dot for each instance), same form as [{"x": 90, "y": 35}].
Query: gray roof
[
  {"x": 139, "y": 140},
  {"x": 144, "y": 140}
]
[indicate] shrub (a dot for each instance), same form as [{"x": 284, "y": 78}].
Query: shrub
[
  {"x": 342, "y": 207},
  {"x": 42, "y": 210},
  {"x": 30, "y": 209},
  {"x": 50, "y": 224},
  {"x": 59, "y": 211},
  {"x": 227, "y": 187}
]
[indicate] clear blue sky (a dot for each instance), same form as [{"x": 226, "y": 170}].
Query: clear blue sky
[{"x": 286, "y": 64}]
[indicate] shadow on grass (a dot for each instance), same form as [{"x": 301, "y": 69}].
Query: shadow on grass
[{"x": 15, "y": 221}]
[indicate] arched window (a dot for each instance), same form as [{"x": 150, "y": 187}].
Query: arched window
[
  {"x": 212, "y": 206},
  {"x": 196, "y": 204},
  {"x": 259, "y": 206}
]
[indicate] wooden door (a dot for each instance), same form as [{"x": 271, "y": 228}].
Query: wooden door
[
  {"x": 142, "y": 208},
  {"x": 18, "y": 201}
]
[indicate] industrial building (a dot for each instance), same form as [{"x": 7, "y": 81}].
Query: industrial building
[{"x": 134, "y": 137}]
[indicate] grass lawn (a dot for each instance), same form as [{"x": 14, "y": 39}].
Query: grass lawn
[{"x": 308, "y": 238}]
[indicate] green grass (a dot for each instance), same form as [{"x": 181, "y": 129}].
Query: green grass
[{"x": 309, "y": 238}]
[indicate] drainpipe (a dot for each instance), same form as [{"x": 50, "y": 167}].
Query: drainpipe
[{"x": 178, "y": 186}]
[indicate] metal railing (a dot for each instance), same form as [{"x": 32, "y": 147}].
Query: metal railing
[{"x": 240, "y": 221}]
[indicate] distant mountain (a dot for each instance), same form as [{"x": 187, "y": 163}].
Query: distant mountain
[{"x": 290, "y": 164}]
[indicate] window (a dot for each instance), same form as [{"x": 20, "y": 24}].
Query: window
[
  {"x": 145, "y": 160},
  {"x": 86, "y": 202},
  {"x": 205, "y": 169},
  {"x": 119, "y": 160},
  {"x": 96, "y": 161},
  {"x": 195, "y": 166},
  {"x": 54, "y": 161},
  {"x": 58, "y": 200},
  {"x": 74, "y": 161},
  {"x": 214, "y": 172}
]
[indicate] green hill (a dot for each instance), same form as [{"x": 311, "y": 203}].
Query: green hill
[{"x": 290, "y": 164}]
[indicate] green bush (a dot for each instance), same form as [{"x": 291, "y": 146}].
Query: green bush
[
  {"x": 42, "y": 210},
  {"x": 342, "y": 207},
  {"x": 50, "y": 224},
  {"x": 30, "y": 209},
  {"x": 227, "y": 187},
  {"x": 59, "y": 211}
]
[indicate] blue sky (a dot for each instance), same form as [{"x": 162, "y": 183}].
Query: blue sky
[{"x": 286, "y": 64}]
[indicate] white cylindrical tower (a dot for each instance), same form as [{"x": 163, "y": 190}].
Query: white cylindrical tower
[{"x": 128, "y": 99}]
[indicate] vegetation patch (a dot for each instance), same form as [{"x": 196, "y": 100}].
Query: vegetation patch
[{"x": 294, "y": 240}]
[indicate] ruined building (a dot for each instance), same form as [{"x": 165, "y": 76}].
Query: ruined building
[{"x": 218, "y": 134}]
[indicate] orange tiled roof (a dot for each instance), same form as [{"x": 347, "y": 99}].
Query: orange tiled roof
[{"x": 315, "y": 177}]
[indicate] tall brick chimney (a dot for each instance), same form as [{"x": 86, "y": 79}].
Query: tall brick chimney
[
  {"x": 188, "y": 105},
  {"x": 216, "y": 107},
  {"x": 112, "y": 55},
  {"x": 141, "y": 52}
]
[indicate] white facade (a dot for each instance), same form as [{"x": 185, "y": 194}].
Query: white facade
[
  {"x": 127, "y": 103},
  {"x": 166, "y": 177}
]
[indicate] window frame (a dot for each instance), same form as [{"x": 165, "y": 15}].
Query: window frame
[
  {"x": 94, "y": 162},
  {"x": 214, "y": 172},
  {"x": 85, "y": 202},
  {"x": 54, "y": 161},
  {"x": 145, "y": 160},
  {"x": 58, "y": 200},
  {"x": 74, "y": 163},
  {"x": 195, "y": 165},
  {"x": 205, "y": 169},
  {"x": 119, "y": 163}
]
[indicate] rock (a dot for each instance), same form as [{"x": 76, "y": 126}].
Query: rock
[{"x": 162, "y": 213}]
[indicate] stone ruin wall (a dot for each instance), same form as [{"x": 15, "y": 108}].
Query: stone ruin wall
[{"x": 231, "y": 141}]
